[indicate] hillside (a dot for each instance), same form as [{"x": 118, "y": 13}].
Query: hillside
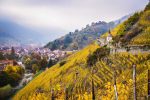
[
  {"x": 81, "y": 38},
  {"x": 76, "y": 76},
  {"x": 134, "y": 31},
  {"x": 93, "y": 71}
]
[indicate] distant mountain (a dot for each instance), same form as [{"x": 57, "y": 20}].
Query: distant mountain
[
  {"x": 81, "y": 38},
  {"x": 124, "y": 18},
  {"x": 16, "y": 34},
  {"x": 8, "y": 40}
]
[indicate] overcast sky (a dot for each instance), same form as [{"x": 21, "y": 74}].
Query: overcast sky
[{"x": 66, "y": 15}]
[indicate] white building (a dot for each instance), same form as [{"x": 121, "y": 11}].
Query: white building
[
  {"x": 109, "y": 37},
  {"x": 105, "y": 41}
]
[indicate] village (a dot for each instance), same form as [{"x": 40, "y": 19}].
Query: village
[
  {"x": 20, "y": 65},
  {"x": 21, "y": 52}
]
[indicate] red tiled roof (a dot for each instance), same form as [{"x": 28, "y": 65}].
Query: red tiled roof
[{"x": 6, "y": 61}]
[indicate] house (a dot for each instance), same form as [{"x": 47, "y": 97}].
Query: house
[{"x": 4, "y": 63}]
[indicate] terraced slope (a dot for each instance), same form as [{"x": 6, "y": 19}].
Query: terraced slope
[{"x": 76, "y": 77}]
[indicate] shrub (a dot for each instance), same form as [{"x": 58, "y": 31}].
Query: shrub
[
  {"x": 97, "y": 55},
  {"x": 4, "y": 78},
  {"x": 11, "y": 75},
  {"x": 62, "y": 63},
  {"x": 35, "y": 68},
  {"x": 14, "y": 79}
]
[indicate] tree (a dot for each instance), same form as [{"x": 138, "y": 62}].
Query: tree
[
  {"x": 12, "y": 55},
  {"x": 148, "y": 6},
  {"x": 4, "y": 78},
  {"x": 43, "y": 63},
  {"x": 14, "y": 79},
  {"x": 14, "y": 74},
  {"x": 35, "y": 68},
  {"x": 2, "y": 57},
  {"x": 67, "y": 40},
  {"x": 76, "y": 30},
  {"x": 9, "y": 78},
  {"x": 50, "y": 63},
  {"x": 27, "y": 62}
]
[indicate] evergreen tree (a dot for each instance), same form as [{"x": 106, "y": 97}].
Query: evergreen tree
[{"x": 12, "y": 55}]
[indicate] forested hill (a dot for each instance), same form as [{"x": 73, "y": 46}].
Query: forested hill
[{"x": 81, "y": 38}]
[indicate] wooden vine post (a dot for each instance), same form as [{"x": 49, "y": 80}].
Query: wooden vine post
[
  {"x": 134, "y": 82},
  {"x": 52, "y": 93},
  {"x": 66, "y": 94},
  {"x": 51, "y": 90},
  {"x": 114, "y": 76},
  {"x": 148, "y": 84},
  {"x": 76, "y": 78},
  {"x": 115, "y": 86},
  {"x": 93, "y": 89}
]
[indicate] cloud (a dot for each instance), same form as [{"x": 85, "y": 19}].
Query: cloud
[{"x": 66, "y": 15}]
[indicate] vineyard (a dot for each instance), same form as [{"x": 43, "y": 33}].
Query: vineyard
[
  {"x": 142, "y": 39},
  {"x": 76, "y": 80}
]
